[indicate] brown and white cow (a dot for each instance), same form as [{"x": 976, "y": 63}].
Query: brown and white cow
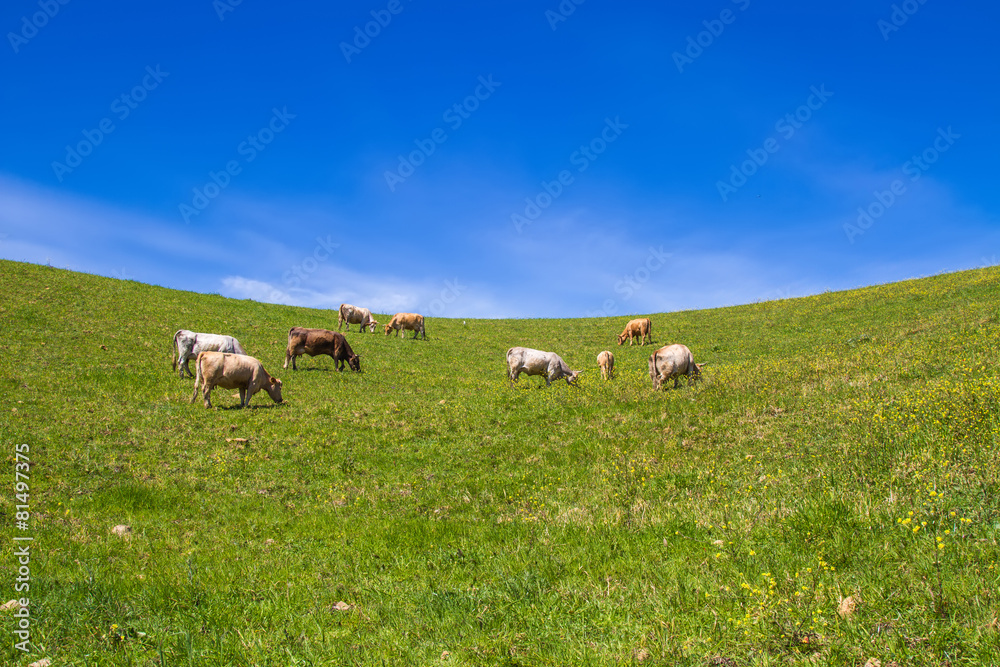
[
  {"x": 356, "y": 315},
  {"x": 639, "y": 328},
  {"x": 673, "y": 361},
  {"x": 536, "y": 362},
  {"x": 606, "y": 362},
  {"x": 406, "y": 322},
  {"x": 187, "y": 345},
  {"x": 233, "y": 371},
  {"x": 320, "y": 341}
]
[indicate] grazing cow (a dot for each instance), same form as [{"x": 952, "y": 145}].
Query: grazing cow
[
  {"x": 640, "y": 328},
  {"x": 606, "y": 361},
  {"x": 406, "y": 322},
  {"x": 672, "y": 361},
  {"x": 320, "y": 341},
  {"x": 535, "y": 362},
  {"x": 187, "y": 345},
  {"x": 356, "y": 315},
  {"x": 233, "y": 371}
]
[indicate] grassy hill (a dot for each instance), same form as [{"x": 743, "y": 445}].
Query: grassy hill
[{"x": 829, "y": 494}]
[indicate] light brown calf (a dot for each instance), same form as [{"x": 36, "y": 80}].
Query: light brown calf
[
  {"x": 606, "y": 361},
  {"x": 233, "y": 371},
  {"x": 639, "y": 328},
  {"x": 406, "y": 322}
]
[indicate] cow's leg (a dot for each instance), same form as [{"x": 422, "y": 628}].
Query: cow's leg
[
  {"x": 243, "y": 397},
  {"x": 206, "y": 392}
]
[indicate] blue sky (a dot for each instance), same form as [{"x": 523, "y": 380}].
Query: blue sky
[{"x": 510, "y": 159}]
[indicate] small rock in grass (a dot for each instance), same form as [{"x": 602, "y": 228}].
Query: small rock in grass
[
  {"x": 44, "y": 662},
  {"x": 445, "y": 655},
  {"x": 641, "y": 655},
  {"x": 848, "y": 606},
  {"x": 341, "y": 606},
  {"x": 122, "y": 530},
  {"x": 10, "y": 605},
  {"x": 268, "y": 542},
  {"x": 873, "y": 662}
]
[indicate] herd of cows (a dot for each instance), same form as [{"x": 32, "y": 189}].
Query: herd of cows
[{"x": 220, "y": 360}]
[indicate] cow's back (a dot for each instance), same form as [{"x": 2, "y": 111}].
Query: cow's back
[
  {"x": 673, "y": 360},
  {"x": 226, "y": 370}
]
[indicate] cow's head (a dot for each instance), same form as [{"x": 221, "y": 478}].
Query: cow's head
[
  {"x": 273, "y": 389},
  {"x": 372, "y": 325},
  {"x": 621, "y": 338},
  {"x": 354, "y": 361},
  {"x": 388, "y": 328},
  {"x": 696, "y": 373},
  {"x": 573, "y": 377}
]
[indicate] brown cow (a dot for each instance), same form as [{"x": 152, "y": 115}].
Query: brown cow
[
  {"x": 606, "y": 361},
  {"x": 233, "y": 371},
  {"x": 406, "y": 322},
  {"x": 639, "y": 328},
  {"x": 320, "y": 341}
]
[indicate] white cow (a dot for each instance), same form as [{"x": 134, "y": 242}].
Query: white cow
[
  {"x": 356, "y": 315},
  {"x": 535, "y": 362},
  {"x": 672, "y": 361},
  {"x": 187, "y": 345}
]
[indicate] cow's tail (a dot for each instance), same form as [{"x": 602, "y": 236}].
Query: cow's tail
[
  {"x": 197, "y": 376},
  {"x": 173, "y": 352}
]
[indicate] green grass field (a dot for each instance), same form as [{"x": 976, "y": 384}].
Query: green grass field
[{"x": 827, "y": 495}]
